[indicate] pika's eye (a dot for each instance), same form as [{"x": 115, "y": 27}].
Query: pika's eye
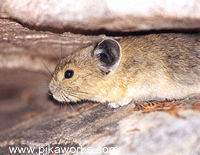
[{"x": 69, "y": 74}]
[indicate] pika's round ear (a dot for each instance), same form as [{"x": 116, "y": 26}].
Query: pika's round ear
[{"x": 108, "y": 54}]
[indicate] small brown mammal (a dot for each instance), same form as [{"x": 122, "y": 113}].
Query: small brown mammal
[{"x": 137, "y": 68}]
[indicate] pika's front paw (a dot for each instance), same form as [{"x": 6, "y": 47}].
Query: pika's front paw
[{"x": 117, "y": 105}]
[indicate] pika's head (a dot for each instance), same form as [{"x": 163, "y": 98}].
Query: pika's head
[{"x": 85, "y": 75}]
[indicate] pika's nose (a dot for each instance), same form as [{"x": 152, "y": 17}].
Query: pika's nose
[{"x": 52, "y": 87}]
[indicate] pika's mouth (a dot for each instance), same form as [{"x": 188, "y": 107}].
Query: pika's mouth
[
  {"x": 61, "y": 94},
  {"x": 61, "y": 97}
]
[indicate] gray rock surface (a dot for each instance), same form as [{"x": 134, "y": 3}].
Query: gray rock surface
[
  {"x": 102, "y": 129},
  {"x": 112, "y": 15}
]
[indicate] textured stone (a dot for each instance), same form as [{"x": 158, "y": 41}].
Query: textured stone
[
  {"x": 104, "y": 128},
  {"x": 112, "y": 15}
]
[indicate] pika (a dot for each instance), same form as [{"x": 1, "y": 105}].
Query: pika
[{"x": 137, "y": 68}]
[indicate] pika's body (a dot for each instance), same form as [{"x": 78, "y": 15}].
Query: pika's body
[{"x": 137, "y": 68}]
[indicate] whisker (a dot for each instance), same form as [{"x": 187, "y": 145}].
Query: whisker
[
  {"x": 46, "y": 75},
  {"x": 61, "y": 54},
  {"x": 80, "y": 92},
  {"x": 73, "y": 95},
  {"x": 61, "y": 104},
  {"x": 65, "y": 97},
  {"x": 48, "y": 71}
]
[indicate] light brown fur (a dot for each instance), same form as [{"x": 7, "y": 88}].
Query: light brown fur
[{"x": 152, "y": 67}]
